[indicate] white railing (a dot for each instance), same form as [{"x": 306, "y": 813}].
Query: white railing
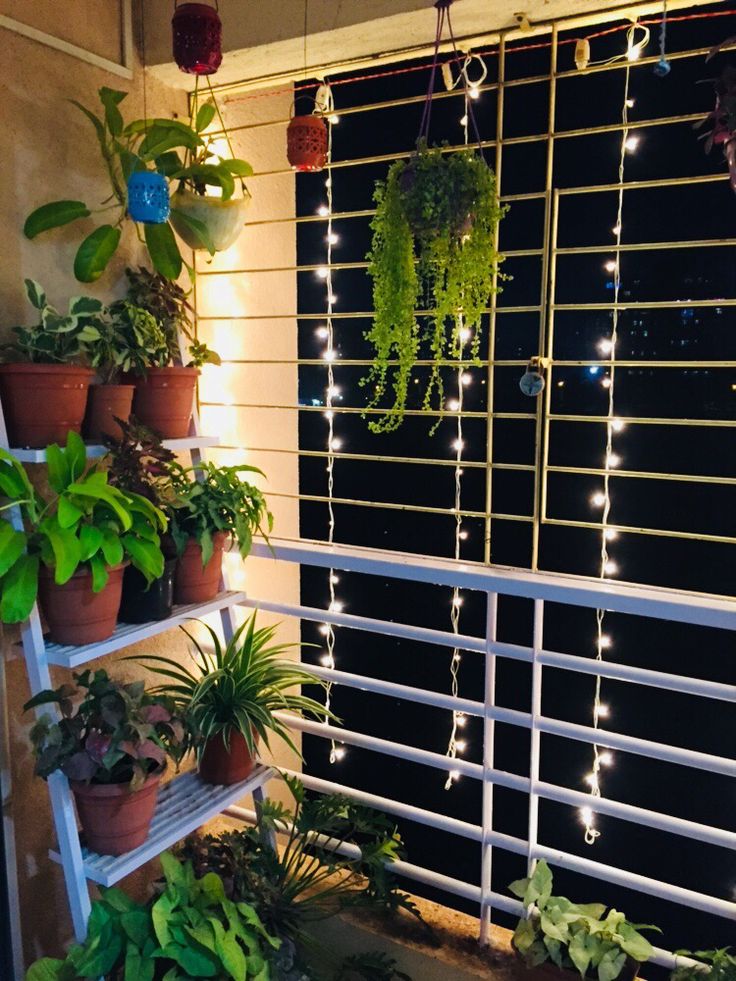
[{"x": 664, "y": 604}]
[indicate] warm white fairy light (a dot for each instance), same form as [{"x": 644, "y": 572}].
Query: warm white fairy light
[
  {"x": 336, "y": 606},
  {"x": 466, "y": 378},
  {"x": 610, "y": 534},
  {"x": 333, "y": 391},
  {"x": 458, "y": 444},
  {"x": 613, "y": 460},
  {"x": 335, "y": 444},
  {"x": 334, "y": 579},
  {"x": 329, "y": 354},
  {"x": 460, "y": 745},
  {"x": 605, "y": 759},
  {"x": 453, "y": 405},
  {"x": 605, "y": 346},
  {"x": 474, "y": 92},
  {"x": 610, "y": 568},
  {"x": 598, "y": 499},
  {"x": 333, "y": 238},
  {"x": 611, "y": 266},
  {"x": 322, "y": 272},
  {"x": 465, "y": 333},
  {"x": 322, "y": 333},
  {"x": 604, "y": 642},
  {"x": 606, "y": 382},
  {"x": 334, "y": 119},
  {"x": 323, "y": 211},
  {"x": 333, "y": 299},
  {"x": 340, "y": 753},
  {"x": 324, "y": 629},
  {"x": 616, "y": 230},
  {"x": 631, "y": 143}
]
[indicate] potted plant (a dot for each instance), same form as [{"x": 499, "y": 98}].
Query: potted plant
[
  {"x": 434, "y": 249},
  {"x": 138, "y": 461},
  {"x": 165, "y": 388},
  {"x": 203, "y": 514},
  {"x": 43, "y": 385},
  {"x": 77, "y": 538},
  {"x": 576, "y": 937},
  {"x": 147, "y": 145},
  {"x": 718, "y": 965},
  {"x": 721, "y": 120},
  {"x": 231, "y": 697},
  {"x": 112, "y": 746}
]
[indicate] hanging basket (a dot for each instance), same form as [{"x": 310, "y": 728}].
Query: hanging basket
[
  {"x": 197, "y": 38},
  {"x": 225, "y": 220},
  {"x": 306, "y": 143},
  {"x": 148, "y": 197}
]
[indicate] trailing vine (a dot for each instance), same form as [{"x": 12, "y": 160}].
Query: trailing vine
[{"x": 433, "y": 250}]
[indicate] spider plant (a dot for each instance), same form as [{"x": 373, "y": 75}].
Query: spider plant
[{"x": 237, "y": 688}]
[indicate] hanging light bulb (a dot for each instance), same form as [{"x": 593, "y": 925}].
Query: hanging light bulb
[
  {"x": 322, "y": 272},
  {"x": 598, "y": 499},
  {"x": 631, "y": 143},
  {"x": 323, "y": 211}
]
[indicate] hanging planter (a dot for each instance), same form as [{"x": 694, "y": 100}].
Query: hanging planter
[
  {"x": 307, "y": 143},
  {"x": 224, "y": 220},
  {"x": 197, "y": 38},
  {"x": 148, "y": 197}
]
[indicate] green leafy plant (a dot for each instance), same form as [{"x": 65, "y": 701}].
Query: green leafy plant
[
  {"x": 218, "y": 501},
  {"x": 82, "y": 521},
  {"x": 307, "y": 880},
  {"x": 130, "y": 339},
  {"x": 573, "y": 936},
  {"x": 117, "y": 733},
  {"x": 237, "y": 688},
  {"x": 138, "y": 461},
  {"x": 718, "y": 965},
  {"x": 57, "y": 338},
  {"x": 143, "y": 144},
  {"x": 190, "y": 931},
  {"x": 434, "y": 249}
]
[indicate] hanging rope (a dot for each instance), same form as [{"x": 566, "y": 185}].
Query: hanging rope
[{"x": 663, "y": 66}]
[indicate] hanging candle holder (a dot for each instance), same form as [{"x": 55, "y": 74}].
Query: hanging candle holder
[
  {"x": 306, "y": 143},
  {"x": 148, "y": 197},
  {"x": 197, "y": 38}
]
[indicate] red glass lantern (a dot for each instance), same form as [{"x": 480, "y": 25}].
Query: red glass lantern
[
  {"x": 306, "y": 143},
  {"x": 197, "y": 31}
]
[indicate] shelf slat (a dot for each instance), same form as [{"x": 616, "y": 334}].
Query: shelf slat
[
  {"x": 95, "y": 450},
  {"x": 184, "y": 804},
  {"x": 130, "y": 633}
]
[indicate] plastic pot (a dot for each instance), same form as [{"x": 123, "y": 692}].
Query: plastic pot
[
  {"x": 75, "y": 614},
  {"x": 43, "y": 402},
  {"x": 164, "y": 400},
  {"x": 142, "y": 603},
  {"x": 225, "y": 766},
  {"x": 105, "y": 404},
  {"x": 114, "y": 818},
  {"x": 194, "y": 583},
  {"x": 225, "y": 220}
]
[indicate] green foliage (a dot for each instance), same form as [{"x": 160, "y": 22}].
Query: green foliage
[
  {"x": 307, "y": 881},
  {"x": 573, "y": 936},
  {"x": 237, "y": 688},
  {"x": 372, "y": 966},
  {"x": 433, "y": 249},
  {"x": 721, "y": 966},
  {"x": 129, "y": 339},
  {"x": 138, "y": 461},
  {"x": 57, "y": 338},
  {"x": 143, "y": 144},
  {"x": 218, "y": 501},
  {"x": 117, "y": 733},
  {"x": 83, "y": 521},
  {"x": 190, "y": 931}
]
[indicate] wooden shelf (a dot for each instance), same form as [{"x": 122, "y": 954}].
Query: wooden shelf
[
  {"x": 184, "y": 804},
  {"x": 94, "y": 450},
  {"x": 130, "y": 633}
]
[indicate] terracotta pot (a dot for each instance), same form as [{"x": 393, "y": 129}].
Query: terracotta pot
[
  {"x": 306, "y": 143},
  {"x": 194, "y": 583},
  {"x": 75, "y": 614},
  {"x": 164, "y": 400},
  {"x": 115, "y": 819},
  {"x": 43, "y": 402},
  {"x": 105, "y": 404},
  {"x": 223, "y": 766},
  {"x": 224, "y": 219}
]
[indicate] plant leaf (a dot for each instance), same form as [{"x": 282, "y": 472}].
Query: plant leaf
[
  {"x": 200, "y": 230},
  {"x": 95, "y": 252},
  {"x": 240, "y": 168},
  {"x": 12, "y": 545},
  {"x": 54, "y": 215},
  {"x": 20, "y": 586},
  {"x": 163, "y": 250},
  {"x": 205, "y": 115}
]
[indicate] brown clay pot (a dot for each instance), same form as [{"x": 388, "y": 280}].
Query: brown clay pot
[
  {"x": 164, "y": 400},
  {"x": 193, "y": 583},
  {"x": 43, "y": 402},
  {"x": 105, "y": 404},
  {"x": 223, "y": 766},
  {"x": 114, "y": 818},
  {"x": 75, "y": 614}
]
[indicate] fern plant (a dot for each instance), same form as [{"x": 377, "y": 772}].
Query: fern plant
[{"x": 433, "y": 249}]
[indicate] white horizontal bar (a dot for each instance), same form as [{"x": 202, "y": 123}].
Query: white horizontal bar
[
  {"x": 649, "y": 601},
  {"x": 96, "y": 450}
]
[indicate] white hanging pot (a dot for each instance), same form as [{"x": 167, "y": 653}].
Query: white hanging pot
[{"x": 224, "y": 219}]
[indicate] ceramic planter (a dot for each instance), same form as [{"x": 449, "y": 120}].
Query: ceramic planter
[
  {"x": 105, "y": 404},
  {"x": 197, "y": 38},
  {"x": 74, "y": 613},
  {"x": 142, "y": 603},
  {"x": 306, "y": 143},
  {"x": 164, "y": 400},
  {"x": 224, "y": 219},
  {"x": 114, "y": 818},
  {"x": 192, "y": 582},
  {"x": 224, "y": 765},
  {"x": 43, "y": 402}
]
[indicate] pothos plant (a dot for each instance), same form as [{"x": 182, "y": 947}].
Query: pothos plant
[
  {"x": 433, "y": 250},
  {"x": 143, "y": 144}
]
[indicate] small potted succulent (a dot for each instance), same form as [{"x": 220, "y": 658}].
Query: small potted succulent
[
  {"x": 164, "y": 387},
  {"x": 231, "y": 696},
  {"x": 112, "y": 746},
  {"x": 43, "y": 382},
  {"x": 210, "y": 505},
  {"x": 138, "y": 462},
  {"x": 576, "y": 937},
  {"x": 76, "y": 541}
]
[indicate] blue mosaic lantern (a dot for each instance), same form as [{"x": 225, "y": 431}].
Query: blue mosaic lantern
[{"x": 148, "y": 197}]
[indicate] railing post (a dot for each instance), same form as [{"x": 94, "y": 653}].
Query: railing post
[
  {"x": 534, "y": 733},
  {"x": 488, "y": 761}
]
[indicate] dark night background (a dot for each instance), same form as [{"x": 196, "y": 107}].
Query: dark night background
[{"x": 691, "y": 211}]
